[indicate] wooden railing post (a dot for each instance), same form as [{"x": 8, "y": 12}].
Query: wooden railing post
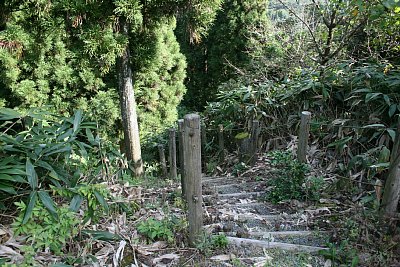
[
  {"x": 192, "y": 166},
  {"x": 181, "y": 158},
  {"x": 303, "y": 136},
  {"x": 161, "y": 152},
  {"x": 255, "y": 133},
  {"x": 203, "y": 146},
  {"x": 221, "y": 142},
  {"x": 172, "y": 154},
  {"x": 391, "y": 194}
]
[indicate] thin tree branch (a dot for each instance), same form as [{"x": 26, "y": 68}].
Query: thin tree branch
[
  {"x": 305, "y": 24},
  {"x": 347, "y": 37},
  {"x": 326, "y": 22}
]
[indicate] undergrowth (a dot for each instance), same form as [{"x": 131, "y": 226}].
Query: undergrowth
[
  {"x": 290, "y": 179},
  {"x": 165, "y": 229}
]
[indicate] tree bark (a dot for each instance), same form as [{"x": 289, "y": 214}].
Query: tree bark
[
  {"x": 128, "y": 106},
  {"x": 391, "y": 194}
]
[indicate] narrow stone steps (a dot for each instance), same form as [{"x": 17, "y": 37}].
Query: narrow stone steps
[
  {"x": 242, "y": 183},
  {"x": 235, "y": 195},
  {"x": 274, "y": 234},
  {"x": 237, "y": 241},
  {"x": 300, "y": 237},
  {"x": 217, "y": 179},
  {"x": 256, "y": 207},
  {"x": 236, "y": 211},
  {"x": 224, "y": 180}
]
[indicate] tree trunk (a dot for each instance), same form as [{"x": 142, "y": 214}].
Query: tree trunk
[
  {"x": 128, "y": 107},
  {"x": 391, "y": 194}
]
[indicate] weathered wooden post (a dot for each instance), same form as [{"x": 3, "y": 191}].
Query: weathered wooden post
[
  {"x": 303, "y": 136},
  {"x": 192, "y": 156},
  {"x": 161, "y": 152},
  {"x": 181, "y": 159},
  {"x": 391, "y": 194},
  {"x": 172, "y": 154},
  {"x": 203, "y": 146},
  {"x": 221, "y": 142},
  {"x": 255, "y": 133}
]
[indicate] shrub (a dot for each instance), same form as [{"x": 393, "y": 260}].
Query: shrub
[
  {"x": 220, "y": 241},
  {"x": 43, "y": 231},
  {"x": 42, "y": 151},
  {"x": 156, "y": 230},
  {"x": 161, "y": 229},
  {"x": 289, "y": 177}
]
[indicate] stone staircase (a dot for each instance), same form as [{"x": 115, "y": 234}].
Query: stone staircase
[{"x": 235, "y": 207}]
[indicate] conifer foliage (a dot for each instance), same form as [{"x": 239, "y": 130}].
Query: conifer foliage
[
  {"x": 161, "y": 70},
  {"x": 62, "y": 54},
  {"x": 233, "y": 40}
]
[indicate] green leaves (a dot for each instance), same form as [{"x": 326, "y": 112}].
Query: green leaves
[
  {"x": 48, "y": 203},
  {"x": 51, "y": 152},
  {"x": 45, "y": 199},
  {"x": 29, "y": 209},
  {"x": 101, "y": 200},
  {"x": 9, "y": 114},
  {"x": 132, "y": 10},
  {"x": 75, "y": 202},
  {"x": 31, "y": 174},
  {"x": 102, "y": 235},
  {"x": 77, "y": 120},
  {"x": 11, "y": 173},
  {"x": 242, "y": 135},
  {"x": 391, "y": 4},
  {"x": 156, "y": 230}
]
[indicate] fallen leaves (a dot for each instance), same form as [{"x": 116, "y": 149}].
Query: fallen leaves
[
  {"x": 10, "y": 253},
  {"x": 4, "y": 235},
  {"x": 165, "y": 260}
]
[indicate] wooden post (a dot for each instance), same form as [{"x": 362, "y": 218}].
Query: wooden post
[
  {"x": 172, "y": 154},
  {"x": 221, "y": 142},
  {"x": 255, "y": 133},
  {"x": 192, "y": 156},
  {"x": 181, "y": 159},
  {"x": 203, "y": 146},
  {"x": 391, "y": 194},
  {"x": 303, "y": 136},
  {"x": 245, "y": 150},
  {"x": 163, "y": 163}
]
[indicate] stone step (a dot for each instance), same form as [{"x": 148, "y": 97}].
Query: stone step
[
  {"x": 270, "y": 245},
  {"x": 274, "y": 234},
  {"x": 236, "y": 187},
  {"x": 254, "y": 207},
  {"x": 299, "y": 237},
  {"x": 226, "y": 180},
  {"x": 235, "y": 195},
  {"x": 235, "y": 221}
]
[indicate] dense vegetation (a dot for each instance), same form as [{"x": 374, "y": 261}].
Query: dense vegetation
[{"x": 63, "y": 121}]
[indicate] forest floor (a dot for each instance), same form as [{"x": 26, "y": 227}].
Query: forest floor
[{"x": 241, "y": 228}]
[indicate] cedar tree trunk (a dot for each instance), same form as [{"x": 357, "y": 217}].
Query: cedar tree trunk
[{"x": 128, "y": 107}]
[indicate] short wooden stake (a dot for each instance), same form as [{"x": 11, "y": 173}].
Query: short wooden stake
[
  {"x": 172, "y": 154},
  {"x": 255, "y": 133},
  {"x": 221, "y": 142},
  {"x": 161, "y": 152},
  {"x": 303, "y": 136},
  {"x": 192, "y": 156},
  {"x": 181, "y": 159}
]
